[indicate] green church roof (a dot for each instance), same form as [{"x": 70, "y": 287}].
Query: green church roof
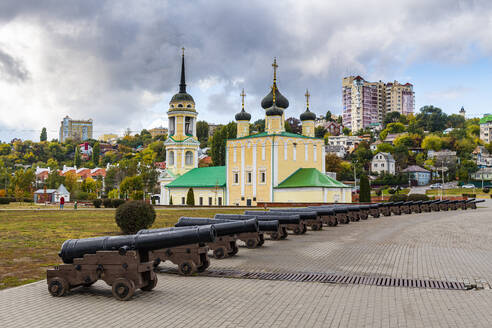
[
  {"x": 486, "y": 119},
  {"x": 201, "y": 177},
  {"x": 310, "y": 177}
]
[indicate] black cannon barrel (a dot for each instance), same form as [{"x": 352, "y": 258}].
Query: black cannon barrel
[
  {"x": 282, "y": 218},
  {"x": 223, "y": 229},
  {"x": 268, "y": 225},
  {"x": 304, "y": 213},
  {"x": 375, "y": 206},
  {"x": 320, "y": 210},
  {"x": 76, "y": 248}
]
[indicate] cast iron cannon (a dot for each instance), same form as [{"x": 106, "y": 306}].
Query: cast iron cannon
[
  {"x": 189, "y": 258},
  {"x": 308, "y": 216},
  {"x": 287, "y": 220},
  {"x": 374, "y": 210},
  {"x": 227, "y": 234},
  {"x": 123, "y": 262},
  {"x": 266, "y": 225},
  {"x": 385, "y": 208},
  {"x": 326, "y": 214}
]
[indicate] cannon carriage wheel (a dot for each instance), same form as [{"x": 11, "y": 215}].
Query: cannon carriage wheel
[
  {"x": 151, "y": 285},
  {"x": 123, "y": 289},
  {"x": 58, "y": 286},
  {"x": 235, "y": 249},
  {"x": 203, "y": 266},
  {"x": 187, "y": 268},
  {"x": 252, "y": 243},
  {"x": 219, "y": 253},
  {"x": 284, "y": 233}
]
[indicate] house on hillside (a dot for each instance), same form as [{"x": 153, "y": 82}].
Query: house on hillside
[
  {"x": 51, "y": 195},
  {"x": 418, "y": 174},
  {"x": 383, "y": 163},
  {"x": 336, "y": 150}
]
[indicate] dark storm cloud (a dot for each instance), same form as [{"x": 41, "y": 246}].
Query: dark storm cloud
[
  {"x": 12, "y": 69},
  {"x": 136, "y": 47}
]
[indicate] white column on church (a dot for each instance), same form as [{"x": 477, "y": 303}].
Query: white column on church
[
  {"x": 242, "y": 170},
  {"x": 254, "y": 170}
]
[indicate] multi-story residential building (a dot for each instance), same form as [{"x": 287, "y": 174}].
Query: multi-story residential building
[
  {"x": 339, "y": 151},
  {"x": 400, "y": 98},
  {"x": 360, "y": 103},
  {"x": 75, "y": 129},
  {"x": 108, "y": 137},
  {"x": 365, "y": 103},
  {"x": 159, "y": 131},
  {"x": 486, "y": 128},
  {"x": 212, "y": 128},
  {"x": 383, "y": 162},
  {"x": 346, "y": 141}
]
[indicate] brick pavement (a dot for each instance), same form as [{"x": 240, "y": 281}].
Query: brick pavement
[{"x": 443, "y": 245}]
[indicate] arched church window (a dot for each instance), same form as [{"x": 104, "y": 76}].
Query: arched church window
[
  {"x": 171, "y": 158},
  {"x": 172, "y": 106},
  {"x": 189, "y": 106},
  {"x": 180, "y": 105},
  {"x": 188, "y": 126},
  {"x": 189, "y": 158}
]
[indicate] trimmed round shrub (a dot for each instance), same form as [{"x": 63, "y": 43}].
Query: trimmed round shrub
[
  {"x": 117, "y": 202},
  {"x": 4, "y": 200},
  {"x": 97, "y": 203},
  {"x": 398, "y": 198},
  {"x": 417, "y": 197},
  {"x": 107, "y": 202},
  {"x": 486, "y": 190},
  {"x": 134, "y": 215}
]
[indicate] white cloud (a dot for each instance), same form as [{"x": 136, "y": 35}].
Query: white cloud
[{"x": 118, "y": 62}]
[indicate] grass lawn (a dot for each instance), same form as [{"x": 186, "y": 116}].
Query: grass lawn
[
  {"x": 457, "y": 192},
  {"x": 30, "y": 240}
]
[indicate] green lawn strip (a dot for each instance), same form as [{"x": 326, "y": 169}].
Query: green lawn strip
[{"x": 30, "y": 240}]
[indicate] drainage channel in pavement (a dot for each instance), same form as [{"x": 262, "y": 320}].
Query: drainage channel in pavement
[{"x": 332, "y": 278}]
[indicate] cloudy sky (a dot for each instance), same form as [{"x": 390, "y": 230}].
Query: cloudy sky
[{"x": 117, "y": 62}]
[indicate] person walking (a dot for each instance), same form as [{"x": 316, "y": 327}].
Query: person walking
[
  {"x": 75, "y": 205},
  {"x": 62, "y": 202}
]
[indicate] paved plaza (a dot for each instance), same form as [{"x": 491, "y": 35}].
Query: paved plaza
[{"x": 445, "y": 246}]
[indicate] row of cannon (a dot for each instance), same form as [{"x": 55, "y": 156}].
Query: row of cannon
[{"x": 128, "y": 263}]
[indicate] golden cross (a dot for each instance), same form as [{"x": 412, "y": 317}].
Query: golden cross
[
  {"x": 307, "y": 95},
  {"x": 242, "y": 96},
  {"x": 274, "y": 69},
  {"x": 183, "y": 49}
]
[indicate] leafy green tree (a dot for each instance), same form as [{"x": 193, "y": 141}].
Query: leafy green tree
[
  {"x": 130, "y": 185},
  {"x": 391, "y": 117},
  {"x": 466, "y": 169},
  {"x": 258, "y": 126},
  {"x": 295, "y": 125},
  {"x": 385, "y": 148},
  {"x": 202, "y": 130},
  {"x": 333, "y": 163},
  {"x": 455, "y": 121},
  {"x": 362, "y": 155},
  {"x": 23, "y": 181},
  {"x": 431, "y": 119},
  {"x": 319, "y": 131},
  {"x": 76, "y": 159},
  {"x": 44, "y": 135},
  {"x": 432, "y": 142},
  {"x": 54, "y": 180},
  {"x": 96, "y": 150},
  {"x": 219, "y": 141},
  {"x": 328, "y": 116},
  {"x": 190, "y": 198},
  {"x": 346, "y": 131},
  {"x": 365, "y": 190}
]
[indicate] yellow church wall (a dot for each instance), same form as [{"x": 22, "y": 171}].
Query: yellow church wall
[
  {"x": 299, "y": 195},
  {"x": 177, "y": 195},
  {"x": 283, "y": 167}
]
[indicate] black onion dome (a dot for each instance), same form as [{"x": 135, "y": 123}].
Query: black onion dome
[
  {"x": 308, "y": 116},
  {"x": 280, "y": 100},
  {"x": 182, "y": 96},
  {"x": 243, "y": 116},
  {"x": 274, "y": 110}
]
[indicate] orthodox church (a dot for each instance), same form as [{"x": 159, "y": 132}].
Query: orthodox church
[{"x": 271, "y": 166}]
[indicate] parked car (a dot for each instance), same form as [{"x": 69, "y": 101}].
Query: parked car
[
  {"x": 436, "y": 186},
  {"x": 468, "y": 186}
]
